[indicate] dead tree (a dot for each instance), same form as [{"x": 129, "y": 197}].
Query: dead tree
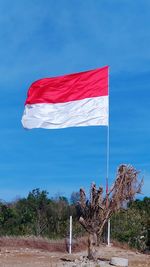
[{"x": 95, "y": 211}]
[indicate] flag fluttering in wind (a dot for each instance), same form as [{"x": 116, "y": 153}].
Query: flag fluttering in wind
[{"x": 79, "y": 99}]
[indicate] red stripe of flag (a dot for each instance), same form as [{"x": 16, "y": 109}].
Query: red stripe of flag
[{"x": 70, "y": 87}]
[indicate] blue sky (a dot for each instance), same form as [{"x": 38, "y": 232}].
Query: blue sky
[{"x": 49, "y": 38}]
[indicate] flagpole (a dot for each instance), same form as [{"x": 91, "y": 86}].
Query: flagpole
[
  {"x": 107, "y": 157},
  {"x": 107, "y": 165}
]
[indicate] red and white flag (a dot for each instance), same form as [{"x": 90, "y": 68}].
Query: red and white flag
[{"x": 79, "y": 99}]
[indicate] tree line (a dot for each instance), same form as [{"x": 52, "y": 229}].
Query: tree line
[{"x": 39, "y": 215}]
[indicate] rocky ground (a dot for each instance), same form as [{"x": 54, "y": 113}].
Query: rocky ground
[{"x": 31, "y": 257}]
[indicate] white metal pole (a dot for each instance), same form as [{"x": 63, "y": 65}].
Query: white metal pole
[
  {"x": 107, "y": 165},
  {"x": 108, "y": 237},
  {"x": 70, "y": 237}
]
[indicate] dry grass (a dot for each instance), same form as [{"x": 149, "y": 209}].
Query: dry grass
[
  {"x": 34, "y": 242},
  {"x": 122, "y": 245},
  {"x": 44, "y": 244}
]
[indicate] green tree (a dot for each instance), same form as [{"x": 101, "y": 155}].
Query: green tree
[{"x": 133, "y": 224}]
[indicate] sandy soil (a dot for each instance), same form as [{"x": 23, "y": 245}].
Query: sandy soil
[{"x": 28, "y": 257}]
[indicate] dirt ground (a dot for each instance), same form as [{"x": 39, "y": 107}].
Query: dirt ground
[{"x": 28, "y": 257}]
